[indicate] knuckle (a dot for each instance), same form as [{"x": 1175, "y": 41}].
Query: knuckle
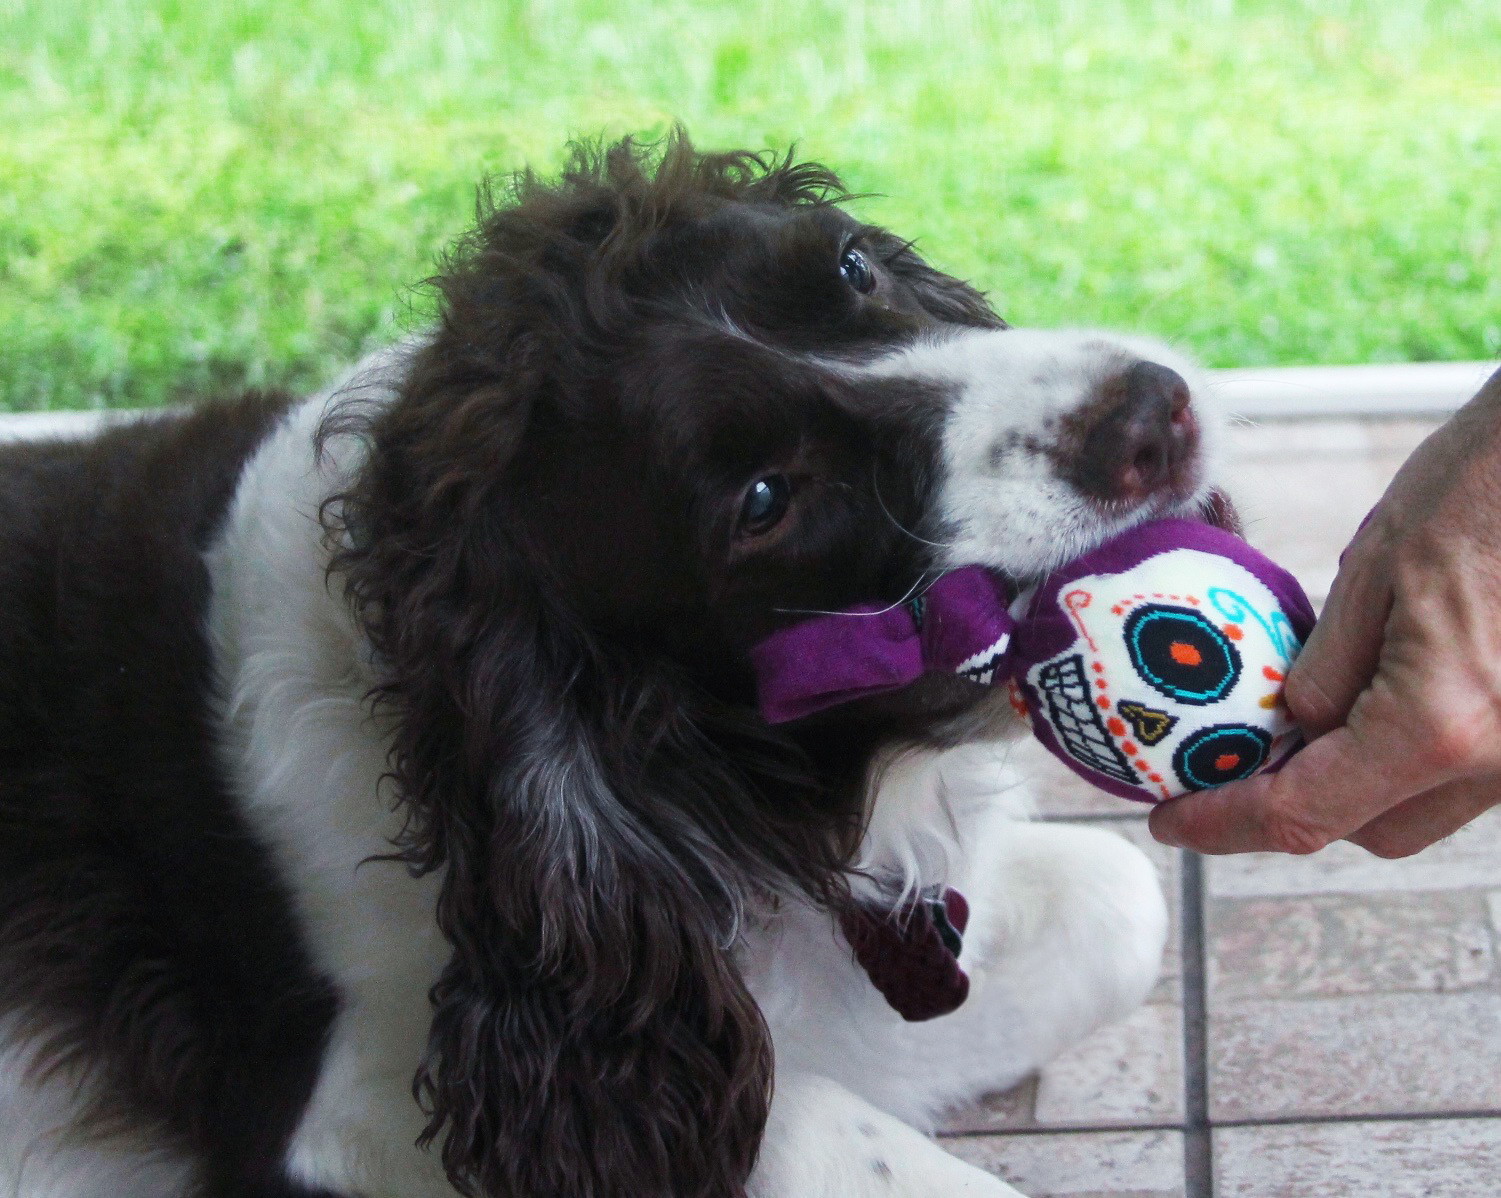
[
  {"x": 1287, "y": 831},
  {"x": 1451, "y": 742},
  {"x": 1308, "y": 703}
]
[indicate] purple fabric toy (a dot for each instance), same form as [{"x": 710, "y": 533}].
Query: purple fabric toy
[{"x": 1152, "y": 666}]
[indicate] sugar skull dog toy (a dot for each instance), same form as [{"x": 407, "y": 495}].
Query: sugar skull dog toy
[{"x": 1152, "y": 666}]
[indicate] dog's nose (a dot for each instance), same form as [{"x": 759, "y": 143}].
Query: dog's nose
[{"x": 1135, "y": 444}]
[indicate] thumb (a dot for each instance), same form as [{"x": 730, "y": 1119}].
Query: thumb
[{"x": 1334, "y": 786}]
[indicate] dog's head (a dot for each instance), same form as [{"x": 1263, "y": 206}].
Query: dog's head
[{"x": 673, "y": 402}]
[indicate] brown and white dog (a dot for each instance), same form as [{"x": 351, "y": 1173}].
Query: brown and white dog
[{"x": 385, "y": 808}]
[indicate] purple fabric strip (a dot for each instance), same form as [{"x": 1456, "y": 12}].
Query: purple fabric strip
[
  {"x": 832, "y": 659},
  {"x": 962, "y": 624},
  {"x": 965, "y": 615}
]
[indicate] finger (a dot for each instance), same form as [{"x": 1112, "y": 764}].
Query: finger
[
  {"x": 1329, "y": 789},
  {"x": 1427, "y": 818},
  {"x": 1344, "y": 648}
]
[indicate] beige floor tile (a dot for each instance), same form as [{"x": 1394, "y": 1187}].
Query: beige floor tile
[
  {"x": 1359, "y": 1055},
  {"x": 1337, "y": 944},
  {"x": 1302, "y": 488},
  {"x": 1471, "y": 858},
  {"x": 1129, "y": 1073},
  {"x": 1302, "y": 518},
  {"x": 1143, "y": 1164},
  {"x": 1430, "y": 1158},
  {"x": 1387, "y": 442},
  {"x": 1398, "y": 438},
  {"x": 1279, "y": 440}
]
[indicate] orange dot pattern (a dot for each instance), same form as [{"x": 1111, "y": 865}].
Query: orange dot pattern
[{"x": 1119, "y": 609}]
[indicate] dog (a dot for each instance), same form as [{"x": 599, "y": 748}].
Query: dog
[{"x": 386, "y": 808}]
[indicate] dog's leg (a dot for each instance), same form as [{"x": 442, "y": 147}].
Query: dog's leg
[
  {"x": 824, "y": 1142},
  {"x": 1066, "y": 933}
]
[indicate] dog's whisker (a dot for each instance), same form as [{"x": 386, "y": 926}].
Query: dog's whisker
[
  {"x": 875, "y": 487},
  {"x": 912, "y": 593}
]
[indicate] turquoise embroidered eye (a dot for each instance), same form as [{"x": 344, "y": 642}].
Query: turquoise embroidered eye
[
  {"x": 1182, "y": 655},
  {"x": 1221, "y": 753},
  {"x": 765, "y": 504}
]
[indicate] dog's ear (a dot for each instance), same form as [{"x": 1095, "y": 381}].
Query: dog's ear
[
  {"x": 591, "y": 1034},
  {"x": 597, "y": 825}
]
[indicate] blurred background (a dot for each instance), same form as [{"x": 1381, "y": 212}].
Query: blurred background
[{"x": 196, "y": 195}]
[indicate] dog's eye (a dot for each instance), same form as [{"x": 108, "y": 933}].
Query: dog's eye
[
  {"x": 765, "y": 504},
  {"x": 855, "y": 269}
]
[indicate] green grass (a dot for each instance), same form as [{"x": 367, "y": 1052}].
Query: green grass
[{"x": 196, "y": 194}]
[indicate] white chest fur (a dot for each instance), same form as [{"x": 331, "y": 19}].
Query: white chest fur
[{"x": 306, "y": 758}]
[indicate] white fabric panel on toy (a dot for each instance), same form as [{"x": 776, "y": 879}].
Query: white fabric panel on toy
[{"x": 1173, "y": 683}]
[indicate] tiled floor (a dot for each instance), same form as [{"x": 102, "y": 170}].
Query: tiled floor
[{"x": 1327, "y": 1026}]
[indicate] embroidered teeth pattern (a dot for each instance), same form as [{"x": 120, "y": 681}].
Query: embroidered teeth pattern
[{"x": 982, "y": 666}]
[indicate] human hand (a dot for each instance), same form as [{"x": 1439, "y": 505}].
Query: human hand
[{"x": 1399, "y": 687}]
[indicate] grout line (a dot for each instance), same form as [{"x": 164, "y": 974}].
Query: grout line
[
  {"x": 1386, "y": 1117},
  {"x": 1059, "y": 1129},
  {"x": 1306, "y": 1120},
  {"x": 1485, "y": 986},
  {"x": 1083, "y": 1129},
  {"x": 1198, "y": 1150}
]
